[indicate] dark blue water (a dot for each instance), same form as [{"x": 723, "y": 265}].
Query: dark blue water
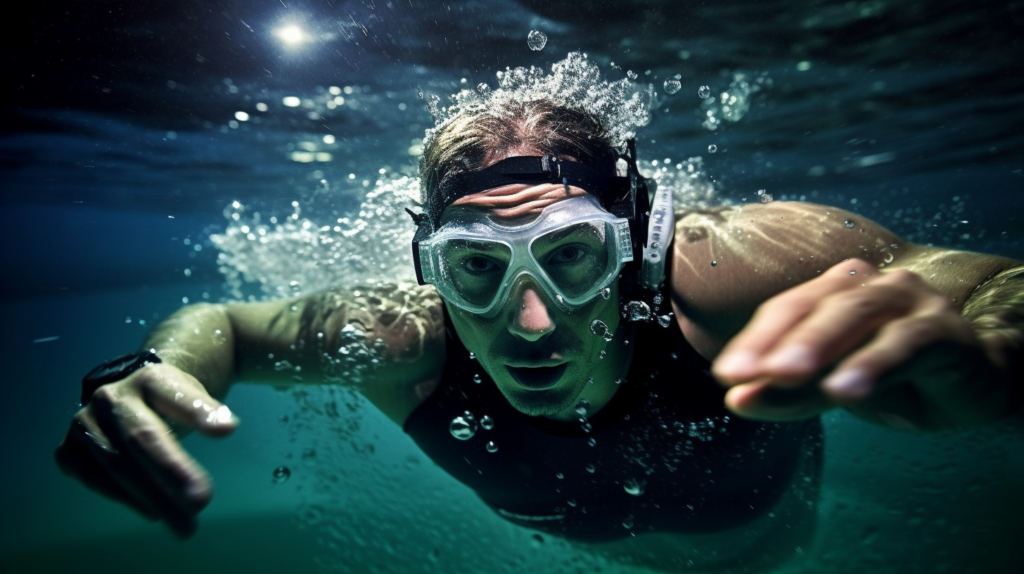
[{"x": 120, "y": 142}]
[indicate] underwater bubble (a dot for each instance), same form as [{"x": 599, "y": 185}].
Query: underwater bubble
[
  {"x": 281, "y": 474},
  {"x": 486, "y": 422},
  {"x": 582, "y": 406},
  {"x": 592, "y": 441},
  {"x": 672, "y": 86},
  {"x": 571, "y": 502},
  {"x": 559, "y": 475},
  {"x": 483, "y": 88},
  {"x": 536, "y": 541},
  {"x": 712, "y": 148},
  {"x": 586, "y": 426},
  {"x": 703, "y": 92},
  {"x": 765, "y": 197},
  {"x": 599, "y": 328},
  {"x": 665, "y": 320},
  {"x": 606, "y": 292},
  {"x": 619, "y": 381},
  {"x": 632, "y": 75},
  {"x": 590, "y": 468},
  {"x": 462, "y": 429},
  {"x": 714, "y": 263},
  {"x": 472, "y": 356},
  {"x": 491, "y": 446},
  {"x": 627, "y": 523},
  {"x": 853, "y": 272},
  {"x": 590, "y": 381},
  {"x": 634, "y": 486},
  {"x": 850, "y": 224},
  {"x": 638, "y": 311},
  {"x": 476, "y": 378},
  {"x": 536, "y": 40},
  {"x": 575, "y": 82}
]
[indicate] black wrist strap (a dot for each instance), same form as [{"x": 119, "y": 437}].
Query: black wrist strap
[{"x": 115, "y": 370}]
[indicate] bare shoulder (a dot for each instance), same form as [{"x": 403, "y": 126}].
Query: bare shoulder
[{"x": 728, "y": 260}]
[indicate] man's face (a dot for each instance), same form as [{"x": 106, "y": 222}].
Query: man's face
[{"x": 540, "y": 356}]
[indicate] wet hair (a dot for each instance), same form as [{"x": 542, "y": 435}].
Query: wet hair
[{"x": 476, "y": 138}]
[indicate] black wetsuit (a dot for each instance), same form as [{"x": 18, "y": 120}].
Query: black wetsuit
[{"x": 663, "y": 454}]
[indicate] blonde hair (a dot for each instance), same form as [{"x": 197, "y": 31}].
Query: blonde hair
[{"x": 477, "y": 138}]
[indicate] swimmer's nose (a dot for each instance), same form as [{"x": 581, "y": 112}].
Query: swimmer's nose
[{"x": 531, "y": 320}]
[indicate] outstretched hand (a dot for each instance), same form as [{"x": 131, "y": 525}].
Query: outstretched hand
[
  {"x": 120, "y": 445},
  {"x": 884, "y": 345}
]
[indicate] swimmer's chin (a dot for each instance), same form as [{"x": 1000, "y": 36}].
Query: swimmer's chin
[{"x": 548, "y": 403}]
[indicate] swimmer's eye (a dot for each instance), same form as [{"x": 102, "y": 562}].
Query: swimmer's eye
[
  {"x": 479, "y": 265},
  {"x": 568, "y": 254}
]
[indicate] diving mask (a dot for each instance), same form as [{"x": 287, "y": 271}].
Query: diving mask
[{"x": 573, "y": 250}]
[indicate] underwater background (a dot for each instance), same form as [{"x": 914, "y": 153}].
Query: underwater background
[{"x": 144, "y": 142}]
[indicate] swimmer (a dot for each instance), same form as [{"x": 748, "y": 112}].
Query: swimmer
[{"x": 646, "y": 390}]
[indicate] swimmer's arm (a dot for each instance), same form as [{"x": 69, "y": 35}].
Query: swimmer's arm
[
  {"x": 728, "y": 261},
  {"x": 385, "y": 341},
  {"x": 789, "y": 256}
]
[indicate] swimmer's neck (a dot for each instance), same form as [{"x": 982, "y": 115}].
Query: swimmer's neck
[{"x": 617, "y": 362}]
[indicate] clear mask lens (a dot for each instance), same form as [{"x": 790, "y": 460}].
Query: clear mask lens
[{"x": 572, "y": 251}]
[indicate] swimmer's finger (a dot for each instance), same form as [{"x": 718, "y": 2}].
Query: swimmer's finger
[
  {"x": 935, "y": 352},
  {"x": 841, "y": 323},
  {"x": 762, "y": 401},
  {"x": 81, "y": 455},
  {"x": 741, "y": 359},
  {"x": 180, "y": 398},
  {"x": 149, "y": 442}
]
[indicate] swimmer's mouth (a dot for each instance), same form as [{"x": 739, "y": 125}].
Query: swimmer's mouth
[{"x": 537, "y": 378}]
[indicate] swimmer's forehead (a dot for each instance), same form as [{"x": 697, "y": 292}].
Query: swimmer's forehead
[{"x": 517, "y": 203}]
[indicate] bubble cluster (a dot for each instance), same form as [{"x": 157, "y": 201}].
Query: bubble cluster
[
  {"x": 691, "y": 187},
  {"x": 463, "y": 427},
  {"x": 291, "y": 255},
  {"x": 733, "y": 103},
  {"x": 575, "y": 82},
  {"x": 637, "y": 311}
]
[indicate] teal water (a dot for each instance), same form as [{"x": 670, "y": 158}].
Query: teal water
[{"x": 905, "y": 112}]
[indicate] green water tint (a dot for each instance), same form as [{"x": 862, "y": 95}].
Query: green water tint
[{"x": 377, "y": 504}]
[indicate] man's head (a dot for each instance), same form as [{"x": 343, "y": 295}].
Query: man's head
[{"x": 540, "y": 351}]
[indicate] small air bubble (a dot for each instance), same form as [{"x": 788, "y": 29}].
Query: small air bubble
[
  {"x": 281, "y": 474},
  {"x": 712, "y": 148},
  {"x": 536, "y": 40},
  {"x": 672, "y": 86},
  {"x": 704, "y": 92}
]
